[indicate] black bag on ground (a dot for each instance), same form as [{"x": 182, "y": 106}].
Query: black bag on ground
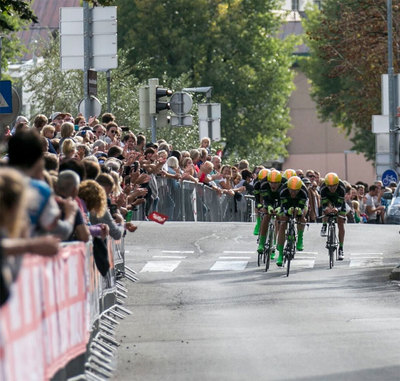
[{"x": 100, "y": 253}]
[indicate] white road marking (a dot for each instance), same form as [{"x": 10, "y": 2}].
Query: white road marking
[
  {"x": 160, "y": 266},
  {"x": 178, "y": 251},
  {"x": 229, "y": 265},
  {"x": 303, "y": 263},
  {"x": 366, "y": 259},
  {"x": 169, "y": 256},
  {"x": 238, "y": 252},
  {"x": 234, "y": 257}
]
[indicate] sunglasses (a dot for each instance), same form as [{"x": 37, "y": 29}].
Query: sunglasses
[{"x": 113, "y": 131}]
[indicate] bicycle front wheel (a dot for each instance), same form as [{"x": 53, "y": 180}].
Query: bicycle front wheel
[
  {"x": 260, "y": 258},
  {"x": 331, "y": 257}
]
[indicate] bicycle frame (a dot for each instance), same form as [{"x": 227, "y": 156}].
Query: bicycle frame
[
  {"x": 290, "y": 248},
  {"x": 331, "y": 239},
  {"x": 269, "y": 243}
]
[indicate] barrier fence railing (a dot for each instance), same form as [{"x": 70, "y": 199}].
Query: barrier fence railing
[
  {"x": 58, "y": 322},
  {"x": 189, "y": 201},
  {"x": 60, "y": 318}
]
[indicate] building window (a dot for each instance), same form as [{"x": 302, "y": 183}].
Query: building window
[
  {"x": 295, "y": 5},
  {"x": 317, "y": 3}
]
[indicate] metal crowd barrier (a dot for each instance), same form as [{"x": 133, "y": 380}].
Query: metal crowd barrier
[
  {"x": 59, "y": 321},
  {"x": 188, "y": 201}
]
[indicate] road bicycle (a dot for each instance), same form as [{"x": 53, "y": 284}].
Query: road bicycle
[
  {"x": 290, "y": 248},
  {"x": 261, "y": 256},
  {"x": 269, "y": 246},
  {"x": 331, "y": 239},
  {"x": 332, "y": 242}
]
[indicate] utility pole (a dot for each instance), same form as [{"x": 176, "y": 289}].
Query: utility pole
[
  {"x": 392, "y": 91},
  {"x": 87, "y": 57}
]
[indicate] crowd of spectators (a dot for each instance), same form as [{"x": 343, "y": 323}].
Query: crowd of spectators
[{"x": 64, "y": 178}]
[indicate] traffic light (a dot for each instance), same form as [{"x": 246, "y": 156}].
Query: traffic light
[{"x": 158, "y": 97}]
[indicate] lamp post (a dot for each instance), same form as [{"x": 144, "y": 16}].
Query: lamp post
[{"x": 392, "y": 93}]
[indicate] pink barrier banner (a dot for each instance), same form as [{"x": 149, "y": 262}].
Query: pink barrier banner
[{"x": 45, "y": 323}]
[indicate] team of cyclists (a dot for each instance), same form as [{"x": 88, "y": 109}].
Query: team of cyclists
[{"x": 285, "y": 195}]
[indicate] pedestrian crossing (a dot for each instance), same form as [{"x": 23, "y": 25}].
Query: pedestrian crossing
[{"x": 170, "y": 261}]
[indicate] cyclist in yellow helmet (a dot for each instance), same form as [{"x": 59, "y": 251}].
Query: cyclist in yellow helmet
[
  {"x": 288, "y": 173},
  {"x": 333, "y": 193},
  {"x": 261, "y": 177},
  {"x": 294, "y": 201},
  {"x": 269, "y": 191}
]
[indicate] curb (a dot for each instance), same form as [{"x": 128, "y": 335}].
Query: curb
[{"x": 395, "y": 274}]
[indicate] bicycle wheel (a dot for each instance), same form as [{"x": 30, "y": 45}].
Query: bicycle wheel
[
  {"x": 288, "y": 262},
  {"x": 331, "y": 257},
  {"x": 268, "y": 248},
  {"x": 331, "y": 245},
  {"x": 260, "y": 258}
]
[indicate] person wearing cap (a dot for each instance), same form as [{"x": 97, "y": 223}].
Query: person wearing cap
[
  {"x": 333, "y": 193},
  {"x": 269, "y": 191},
  {"x": 294, "y": 201},
  {"x": 57, "y": 119},
  {"x": 20, "y": 122}
]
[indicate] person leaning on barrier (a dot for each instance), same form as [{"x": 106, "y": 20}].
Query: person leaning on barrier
[
  {"x": 13, "y": 229},
  {"x": 25, "y": 153}
]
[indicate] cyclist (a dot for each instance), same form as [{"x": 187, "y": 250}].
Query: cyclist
[
  {"x": 333, "y": 191},
  {"x": 294, "y": 201},
  {"x": 261, "y": 176},
  {"x": 288, "y": 173},
  {"x": 269, "y": 191}
]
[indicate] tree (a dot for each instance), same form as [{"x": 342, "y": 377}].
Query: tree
[
  {"x": 230, "y": 45},
  {"x": 55, "y": 90},
  {"x": 348, "y": 54}
]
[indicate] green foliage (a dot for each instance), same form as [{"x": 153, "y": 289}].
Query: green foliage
[
  {"x": 230, "y": 45},
  {"x": 12, "y": 11},
  {"x": 348, "y": 46}
]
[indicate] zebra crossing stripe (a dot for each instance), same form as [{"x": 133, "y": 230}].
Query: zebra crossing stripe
[
  {"x": 366, "y": 259},
  {"x": 229, "y": 265},
  {"x": 160, "y": 266}
]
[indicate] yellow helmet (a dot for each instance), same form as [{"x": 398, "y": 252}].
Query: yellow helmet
[
  {"x": 263, "y": 174},
  {"x": 289, "y": 173},
  {"x": 294, "y": 183},
  {"x": 331, "y": 178},
  {"x": 274, "y": 176}
]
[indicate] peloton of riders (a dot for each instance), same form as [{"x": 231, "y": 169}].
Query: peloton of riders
[{"x": 284, "y": 195}]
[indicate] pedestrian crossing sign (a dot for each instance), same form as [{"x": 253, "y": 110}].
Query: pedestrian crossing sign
[{"x": 5, "y": 97}]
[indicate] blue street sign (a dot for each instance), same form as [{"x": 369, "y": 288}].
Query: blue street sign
[
  {"x": 389, "y": 176},
  {"x": 5, "y": 97}
]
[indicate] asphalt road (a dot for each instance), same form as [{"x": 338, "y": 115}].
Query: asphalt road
[{"x": 203, "y": 310}]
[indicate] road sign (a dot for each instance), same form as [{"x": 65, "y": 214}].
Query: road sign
[
  {"x": 16, "y": 106},
  {"x": 95, "y": 106},
  {"x": 181, "y": 103},
  {"x": 389, "y": 176},
  {"x": 103, "y": 38},
  {"x": 5, "y": 97}
]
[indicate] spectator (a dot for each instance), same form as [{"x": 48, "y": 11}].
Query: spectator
[
  {"x": 371, "y": 209},
  {"x": 25, "y": 153},
  {"x": 107, "y": 117},
  {"x": 57, "y": 119},
  {"x": 111, "y": 133},
  {"x": 99, "y": 131},
  {"x": 68, "y": 187},
  {"x": 39, "y": 122},
  {"x": 68, "y": 150},
  {"x": 206, "y": 144}
]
